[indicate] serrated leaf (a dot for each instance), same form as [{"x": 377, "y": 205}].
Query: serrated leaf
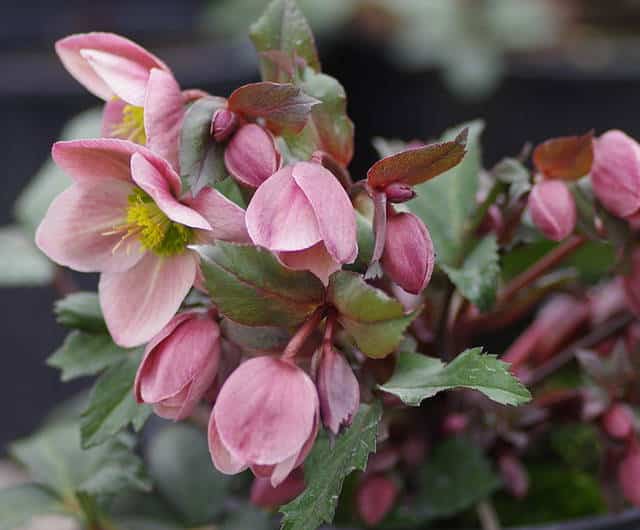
[
  {"x": 283, "y": 28},
  {"x": 112, "y": 405},
  {"x": 80, "y": 310},
  {"x": 201, "y": 159},
  {"x": 18, "y": 505},
  {"x": 21, "y": 263},
  {"x": 250, "y": 286},
  {"x": 446, "y": 202},
  {"x": 374, "y": 320},
  {"x": 326, "y": 468},
  {"x": 477, "y": 279},
  {"x": 84, "y": 354},
  {"x": 566, "y": 157},
  {"x": 259, "y": 339},
  {"x": 415, "y": 166},
  {"x": 284, "y": 107},
  {"x": 418, "y": 377}
]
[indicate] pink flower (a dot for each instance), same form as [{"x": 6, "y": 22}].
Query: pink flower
[
  {"x": 266, "y": 417},
  {"x": 223, "y": 124},
  {"x": 552, "y": 209},
  {"x": 123, "y": 217},
  {"x": 375, "y": 498},
  {"x": 263, "y": 494},
  {"x": 617, "y": 421},
  {"x": 303, "y": 213},
  {"x": 615, "y": 174},
  {"x": 408, "y": 256},
  {"x": 180, "y": 365},
  {"x": 251, "y": 155}
]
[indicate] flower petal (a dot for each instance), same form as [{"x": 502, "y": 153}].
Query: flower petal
[
  {"x": 73, "y": 230},
  {"x": 315, "y": 259},
  {"x": 251, "y": 155},
  {"x": 112, "y": 116},
  {"x": 222, "y": 458},
  {"x": 138, "y": 303},
  {"x": 279, "y": 216},
  {"x": 155, "y": 177},
  {"x": 163, "y": 114}
]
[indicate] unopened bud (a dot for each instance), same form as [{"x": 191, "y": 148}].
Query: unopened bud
[
  {"x": 223, "y": 124},
  {"x": 398, "y": 192},
  {"x": 618, "y": 421},
  {"x": 553, "y": 209}
]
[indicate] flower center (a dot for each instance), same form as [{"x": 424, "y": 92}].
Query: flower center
[
  {"x": 132, "y": 125},
  {"x": 154, "y": 230}
]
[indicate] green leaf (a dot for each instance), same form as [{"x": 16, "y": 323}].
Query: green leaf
[
  {"x": 81, "y": 310},
  {"x": 201, "y": 158},
  {"x": 477, "y": 279},
  {"x": 250, "y": 286},
  {"x": 21, "y": 263},
  {"x": 376, "y": 321},
  {"x": 446, "y": 202},
  {"x": 283, "y": 28},
  {"x": 112, "y": 405},
  {"x": 418, "y": 377},
  {"x": 18, "y": 505},
  {"x": 326, "y": 468},
  {"x": 232, "y": 191},
  {"x": 260, "y": 339},
  {"x": 179, "y": 464},
  {"x": 84, "y": 354}
]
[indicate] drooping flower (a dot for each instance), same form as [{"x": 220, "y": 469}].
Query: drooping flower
[
  {"x": 251, "y": 155},
  {"x": 553, "y": 209},
  {"x": 304, "y": 214},
  {"x": 266, "y": 417},
  {"x": 179, "y": 365},
  {"x": 123, "y": 216}
]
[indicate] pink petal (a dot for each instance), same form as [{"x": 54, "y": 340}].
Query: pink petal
[
  {"x": 112, "y": 116},
  {"x": 315, "y": 259},
  {"x": 375, "y": 497},
  {"x": 263, "y": 494},
  {"x": 279, "y": 216},
  {"x": 163, "y": 114},
  {"x": 225, "y": 217},
  {"x": 72, "y": 232},
  {"x": 266, "y": 411},
  {"x": 553, "y": 209},
  {"x": 332, "y": 207},
  {"x": 155, "y": 178},
  {"x": 138, "y": 303},
  {"x": 251, "y": 155},
  {"x": 224, "y": 461}
]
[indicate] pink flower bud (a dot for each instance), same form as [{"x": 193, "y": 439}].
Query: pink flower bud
[
  {"x": 375, "y": 498},
  {"x": 266, "y": 417},
  {"x": 224, "y": 124},
  {"x": 552, "y": 209},
  {"x": 514, "y": 475},
  {"x": 397, "y": 192},
  {"x": 338, "y": 389},
  {"x": 179, "y": 365},
  {"x": 263, "y": 494},
  {"x": 615, "y": 174},
  {"x": 408, "y": 256},
  {"x": 251, "y": 155},
  {"x": 455, "y": 423},
  {"x": 629, "y": 474},
  {"x": 617, "y": 422}
]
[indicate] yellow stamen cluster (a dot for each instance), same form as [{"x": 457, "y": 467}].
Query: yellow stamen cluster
[{"x": 132, "y": 125}]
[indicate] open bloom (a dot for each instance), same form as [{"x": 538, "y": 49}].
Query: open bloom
[
  {"x": 553, "y": 209},
  {"x": 266, "y": 417},
  {"x": 123, "y": 217},
  {"x": 179, "y": 365},
  {"x": 304, "y": 214}
]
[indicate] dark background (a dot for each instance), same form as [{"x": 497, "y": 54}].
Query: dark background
[{"x": 534, "y": 101}]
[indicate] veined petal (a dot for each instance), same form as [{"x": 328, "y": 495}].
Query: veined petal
[
  {"x": 251, "y": 155},
  {"x": 315, "y": 259},
  {"x": 112, "y": 116},
  {"x": 224, "y": 461},
  {"x": 75, "y": 229},
  {"x": 138, "y": 303}
]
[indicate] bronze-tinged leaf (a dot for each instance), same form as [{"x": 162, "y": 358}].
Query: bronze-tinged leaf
[
  {"x": 566, "y": 157},
  {"x": 415, "y": 166}
]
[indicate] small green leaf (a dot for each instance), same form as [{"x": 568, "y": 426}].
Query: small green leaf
[
  {"x": 418, "y": 377},
  {"x": 250, "y": 286},
  {"x": 326, "y": 468},
  {"x": 21, "y": 263},
  {"x": 260, "y": 339},
  {"x": 201, "y": 159},
  {"x": 477, "y": 279},
  {"x": 84, "y": 354},
  {"x": 81, "y": 310},
  {"x": 112, "y": 405},
  {"x": 376, "y": 321},
  {"x": 18, "y": 505}
]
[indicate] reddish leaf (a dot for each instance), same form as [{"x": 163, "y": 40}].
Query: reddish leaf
[
  {"x": 284, "y": 106},
  {"x": 566, "y": 158},
  {"x": 415, "y": 166}
]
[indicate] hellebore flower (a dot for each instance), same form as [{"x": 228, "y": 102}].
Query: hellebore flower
[
  {"x": 122, "y": 217},
  {"x": 615, "y": 175},
  {"x": 408, "y": 256},
  {"x": 251, "y": 155},
  {"x": 303, "y": 213},
  {"x": 266, "y": 417},
  {"x": 552, "y": 209},
  {"x": 617, "y": 421},
  {"x": 179, "y": 365}
]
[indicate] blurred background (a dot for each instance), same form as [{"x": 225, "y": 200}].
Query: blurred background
[{"x": 411, "y": 68}]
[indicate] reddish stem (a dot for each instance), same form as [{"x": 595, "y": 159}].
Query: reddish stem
[{"x": 303, "y": 333}]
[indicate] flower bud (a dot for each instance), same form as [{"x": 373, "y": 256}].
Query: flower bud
[
  {"x": 615, "y": 175},
  {"x": 179, "y": 365},
  {"x": 552, "y": 209},
  {"x": 251, "y": 155},
  {"x": 629, "y": 474},
  {"x": 264, "y": 495},
  {"x": 375, "y": 498},
  {"x": 617, "y": 422},
  {"x": 398, "y": 192},
  {"x": 224, "y": 124},
  {"x": 408, "y": 256},
  {"x": 455, "y": 423}
]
